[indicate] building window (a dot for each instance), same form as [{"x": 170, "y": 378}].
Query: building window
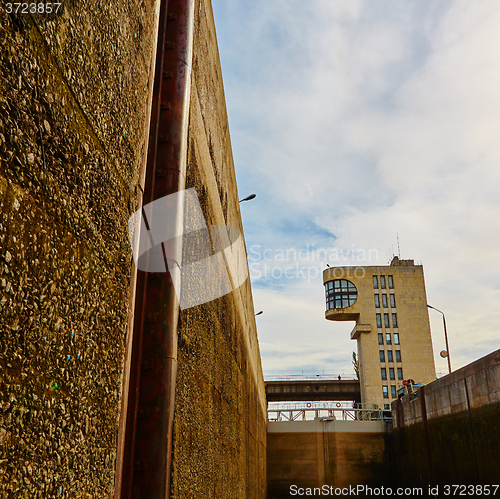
[
  {"x": 380, "y": 339},
  {"x": 394, "y": 320},
  {"x": 389, "y": 355},
  {"x": 396, "y": 338},
  {"x": 386, "y": 406},
  {"x": 386, "y": 320},
  {"x": 377, "y": 301},
  {"x": 382, "y": 281},
  {"x": 382, "y": 356},
  {"x": 388, "y": 338},
  {"x": 391, "y": 373},
  {"x": 384, "y": 301},
  {"x": 393, "y": 391},
  {"x": 340, "y": 293},
  {"x": 379, "y": 320},
  {"x": 384, "y": 373},
  {"x": 398, "y": 355},
  {"x": 385, "y": 391},
  {"x": 393, "y": 301},
  {"x": 375, "y": 282},
  {"x": 391, "y": 282},
  {"x": 400, "y": 373}
]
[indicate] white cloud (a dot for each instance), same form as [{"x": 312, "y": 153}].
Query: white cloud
[
  {"x": 294, "y": 336},
  {"x": 389, "y": 114}
]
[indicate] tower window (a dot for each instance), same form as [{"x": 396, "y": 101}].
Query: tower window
[
  {"x": 386, "y": 320},
  {"x": 379, "y": 320},
  {"x": 382, "y": 281},
  {"x": 340, "y": 293},
  {"x": 380, "y": 339},
  {"x": 385, "y": 391},
  {"x": 388, "y": 338},
  {"x": 384, "y": 373},
  {"x": 375, "y": 282},
  {"x": 393, "y": 301},
  {"x": 394, "y": 320},
  {"x": 377, "y": 301},
  {"x": 391, "y": 282},
  {"x": 391, "y": 373},
  {"x": 382, "y": 356},
  {"x": 400, "y": 373},
  {"x": 396, "y": 338},
  {"x": 389, "y": 356},
  {"x": 393, "y": 391},
  {"x": 398, "y": 355},
  {"x": 384, "y": 301}
]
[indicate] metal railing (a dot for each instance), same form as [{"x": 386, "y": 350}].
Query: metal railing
[
  {"x": 308, "y": 377},
  {"x": 320, "y": 404},
  {"x": 326, "y": 411}
]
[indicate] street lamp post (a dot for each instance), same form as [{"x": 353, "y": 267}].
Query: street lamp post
[
  {"x": 445, "y": 338},
  {"x": 248, "y": 198}
]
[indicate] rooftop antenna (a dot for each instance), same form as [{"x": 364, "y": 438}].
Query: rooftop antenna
[{"x": 399, "y": 249}]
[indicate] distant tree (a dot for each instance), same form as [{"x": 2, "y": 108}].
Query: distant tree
[{"x": 355, "y": 364}]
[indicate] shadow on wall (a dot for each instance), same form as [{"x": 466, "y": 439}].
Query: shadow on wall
[
  {"x": 450, "y": 433},
  {"x": 325, "y": 454}
]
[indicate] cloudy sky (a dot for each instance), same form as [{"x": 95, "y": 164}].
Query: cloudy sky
[{"x": 354, "y": 121}]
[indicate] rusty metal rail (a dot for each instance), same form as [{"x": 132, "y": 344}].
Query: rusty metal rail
[{"x": 143, "y": 469}]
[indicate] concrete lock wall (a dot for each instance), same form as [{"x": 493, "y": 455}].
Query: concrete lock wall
[
  {"x": 73, "y": 127},
  {"x": 221, "y": 410},
  {"x": 311, "y": 454},
  {"x": 74, "y": 117},
  {"x": 453, "y": 435}
]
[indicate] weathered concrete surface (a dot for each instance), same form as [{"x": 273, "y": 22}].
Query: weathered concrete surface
[
  {"x": 82, "y": 82},
  {"x": 321, "y": 452},
  {"x": 454, "y": 436},
  {"x": 221, "y": 409},
  {"x": 73, "y": 127}
]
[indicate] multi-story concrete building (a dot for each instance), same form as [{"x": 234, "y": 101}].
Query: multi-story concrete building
[{"x": 389, "y": 305}]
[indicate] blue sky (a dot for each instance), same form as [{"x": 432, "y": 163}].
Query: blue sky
[{"x": 353, "y": 121}]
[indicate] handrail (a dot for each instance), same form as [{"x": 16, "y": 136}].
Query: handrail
[
  {"x": 310, "y": 377},
  {"x": 320, "y": 405},
  {"x": 344, "y": 414}
]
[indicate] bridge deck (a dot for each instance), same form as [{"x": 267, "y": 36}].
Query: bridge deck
[{"x": 310, "y": 390}]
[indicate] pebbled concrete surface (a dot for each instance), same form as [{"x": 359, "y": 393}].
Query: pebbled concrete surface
[
  {"x": 73, "y": 100},
  {"x": 73, "y": 126}
]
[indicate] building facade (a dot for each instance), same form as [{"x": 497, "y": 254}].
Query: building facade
[{"x": 389, "y": 306}]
